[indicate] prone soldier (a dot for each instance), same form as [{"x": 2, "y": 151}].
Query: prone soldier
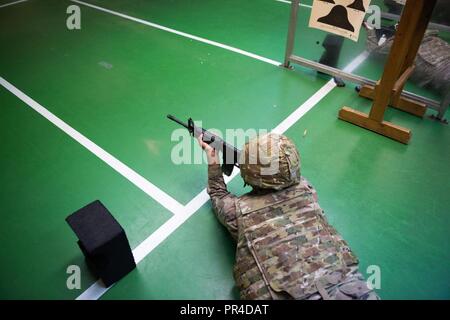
[{"x": 286, "y": 249}]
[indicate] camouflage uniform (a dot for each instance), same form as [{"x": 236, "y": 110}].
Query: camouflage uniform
[
  {"x": 432, "y": 61},
  {"x": 286, "y": 249}
]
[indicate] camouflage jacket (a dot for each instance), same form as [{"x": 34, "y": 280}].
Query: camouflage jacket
[{"x": 286, "y": 249}]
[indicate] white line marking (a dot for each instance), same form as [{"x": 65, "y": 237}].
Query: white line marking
[
  {"x": 95, "y": 291},
  {"x": 182, "y": 213},
  {"x": 12, "y": 3},
  {"x": 150, "y": 189},
  {"x": 313, "y": 100},
  {"x": 183, "y": 34},
  {"x": 301, "y": 4},
  {"x": 356, "y": 62},
  {"x": 304, "y": 108}
]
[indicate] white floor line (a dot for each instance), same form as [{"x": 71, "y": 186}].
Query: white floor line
[
  {"x": 301, "y": 4},
  {"x": 183, "y": 34},
  {"x": 96, "y": 290},
  {"x": 182, "y": 213},
  {"x": 12, "y": 3},
  {"x": 313, "y": 100},
  {"x": 356, "y": 62},
  {"x": 304, "y": 108},
  {"x": 150, "y": 189}
]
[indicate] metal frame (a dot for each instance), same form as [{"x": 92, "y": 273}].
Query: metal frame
[
  {"x": 440, "y": 107},
  {"x": 444, "y": 106}
]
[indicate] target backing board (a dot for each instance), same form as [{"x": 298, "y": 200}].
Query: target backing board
[{"x": 341, "y": 17}]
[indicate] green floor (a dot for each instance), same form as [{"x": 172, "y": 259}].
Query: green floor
[{"x": 390, "y": 201}]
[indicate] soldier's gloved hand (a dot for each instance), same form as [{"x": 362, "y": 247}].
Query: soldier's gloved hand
[{"x": 211, "y": 153}]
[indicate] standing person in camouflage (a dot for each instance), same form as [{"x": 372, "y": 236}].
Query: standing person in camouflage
[
  {"x": 432, "y": 61},
  {"x": 286, "y": 249}
]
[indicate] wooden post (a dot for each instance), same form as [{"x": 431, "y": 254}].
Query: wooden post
[{"x": 399, "y": 66}]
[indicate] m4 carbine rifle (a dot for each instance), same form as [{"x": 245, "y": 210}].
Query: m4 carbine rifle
[{"x": 230, "y": 155}]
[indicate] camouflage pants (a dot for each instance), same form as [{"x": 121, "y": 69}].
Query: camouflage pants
[{"x": 353, "y": 287}]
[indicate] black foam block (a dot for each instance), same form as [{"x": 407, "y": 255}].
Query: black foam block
[{"x": 103, "y": 242}]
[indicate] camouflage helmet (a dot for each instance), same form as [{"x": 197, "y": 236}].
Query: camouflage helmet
[{"x": 270, "y": 161}]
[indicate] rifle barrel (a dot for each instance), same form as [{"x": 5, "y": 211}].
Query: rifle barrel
[{"x": 177, "y": 121}]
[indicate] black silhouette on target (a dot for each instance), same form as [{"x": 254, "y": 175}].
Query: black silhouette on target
[
  {"x": 357, "y": 5},
  {"x": 338, "y": 18},
  {"x": 329, "y": 1}
]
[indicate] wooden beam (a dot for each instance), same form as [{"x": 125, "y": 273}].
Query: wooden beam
[
  {"x": 401, "y": 56},
  {"x": 400, "y": 83},
  {"x": 399, "y": 66},
  {"x": 384, "y": 128},
  {"x": 421, "y": 27},
  {"x": 404, "y": 104},
  {"x": 411, "y": 106}
]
